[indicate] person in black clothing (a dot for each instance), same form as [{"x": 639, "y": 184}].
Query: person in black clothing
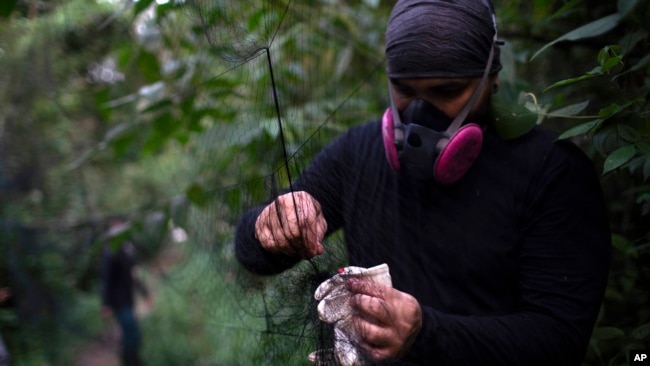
[
  {"x": 5, "y": 301},
  {"x": 119, "y": 285},
  {"x": 498, "y": 248}
]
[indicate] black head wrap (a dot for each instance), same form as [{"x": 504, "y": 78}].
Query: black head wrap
[{"x": 440, "y": 39}]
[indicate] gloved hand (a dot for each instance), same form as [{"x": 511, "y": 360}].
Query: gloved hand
[{"x": 333, "y": 308}]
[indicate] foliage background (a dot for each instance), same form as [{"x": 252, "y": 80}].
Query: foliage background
[{"x": 103, "y": 103}]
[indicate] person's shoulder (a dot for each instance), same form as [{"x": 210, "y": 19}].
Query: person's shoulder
[
  {"x": 359, "y": 135},
  {"x": 544, "y": 140},
  {"x": 542, "y": 144},
  {"x": 562, "y": 145},
  {"x": 536, "y": 136},
  {"x": 352, "y": 142},
  {"x": 369, "y": 128}
]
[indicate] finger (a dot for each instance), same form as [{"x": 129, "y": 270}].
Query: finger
[
  {"x": 360, "y": 285},
  {"x": 371, "y": 334},
  {"x": 309, "y": 251},
  {"x": 267, "y": 225},
  {"x": 267, "y": 239},
  {"x": 303, "y": 248},
  {"x": 312, "y": 241},
  {"x": 313, "y": 227},
  {"x": 274, "y": 228},
  {"x": 287, "y": 219},
  {"x": 372, "y": 309},
  {"x": 321, "y": 227},
  {"x": 376, "y": 354},
  {"x": 375, "y": 342}
]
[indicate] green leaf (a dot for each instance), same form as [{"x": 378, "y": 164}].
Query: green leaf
[
  {"x": 605, "y": 333},
  {"x": 194, "y": 194},
  {"x": 197, "y": 195},
  {"x": 621, "y": 243},
  {"x": 628, "y": 133},
  {"x": 257, "y": 20},
  {"x": 165, "y": 124},
  {"x": 641, "y": 332},
  {"x": 610, "y": 110},
  {"x": 611, "y": 62},
  {"x": 153, "y": 144},
  {"x": 122, "y": 144},
  {"x": 643, "y": 147},
  {"x": 581, "y": 129},
  {"x": 573, "y": 80},
  {"x": 619, "y": 157},
  {"x": 101, "y": 100},
  {"x": 140, "y": 6},
  {"x": 607, "y": 53},
  {"x": 605, "y": 140},
  {"x": 615, "y": 108},
  {"x": 624, "y": 7},
  {"x": 511, "y": 120},
  {"x": 148, "y": 66},
  {"x": 570, "y": 110},
  {"x": 595, "y": 28},
  {"x": 7, "y": 7},
  {"x": 636, "y": 163}
]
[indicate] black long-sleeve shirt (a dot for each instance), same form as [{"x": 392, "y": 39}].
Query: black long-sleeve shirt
[
  {"x": 509, "y": 264},
  {"x": 118, "y": 281}
]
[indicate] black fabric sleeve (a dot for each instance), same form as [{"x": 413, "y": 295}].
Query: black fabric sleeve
[
  {"x": 320, "y": 180},
  {"x": 564, "y": 262},
  {"x": 250, "y": 253}
]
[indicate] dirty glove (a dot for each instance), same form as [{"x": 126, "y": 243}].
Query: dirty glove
[{"x": 333, "y": 308}]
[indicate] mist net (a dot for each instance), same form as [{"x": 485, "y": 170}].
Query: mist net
[
  {"x": 286, "y": 77},
  {"x": 291, "y": 77}
]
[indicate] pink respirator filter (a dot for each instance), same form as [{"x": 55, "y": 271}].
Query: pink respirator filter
[{"x": 457, "y": 157}]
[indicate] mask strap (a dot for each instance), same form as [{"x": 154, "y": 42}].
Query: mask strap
[
  {"x": 456, "y": 123},
  {"x": 397, "y": 120}
]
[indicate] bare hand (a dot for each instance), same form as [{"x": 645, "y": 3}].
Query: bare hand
[
  {"x": 293, "y": 224},
  {"x": 387, "y": 320},
  {"x": 5, "y": 294}
]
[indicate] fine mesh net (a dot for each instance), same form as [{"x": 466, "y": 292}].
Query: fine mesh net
[{"x": 284, "y": 79}]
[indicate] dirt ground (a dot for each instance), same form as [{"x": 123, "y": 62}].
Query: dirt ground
[{"x": 101, "y": 352}]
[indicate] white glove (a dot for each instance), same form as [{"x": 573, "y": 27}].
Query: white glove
[{"x": 333, "y": 308}]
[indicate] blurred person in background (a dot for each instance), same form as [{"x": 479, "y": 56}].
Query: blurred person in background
[
  {"x": 5, "y": 298},
  {"x": 119, "y": 287}
]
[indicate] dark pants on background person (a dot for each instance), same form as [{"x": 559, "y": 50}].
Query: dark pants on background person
[
  {"x": 4, "y": 354},
  {"x": 130, "y": 337}
]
